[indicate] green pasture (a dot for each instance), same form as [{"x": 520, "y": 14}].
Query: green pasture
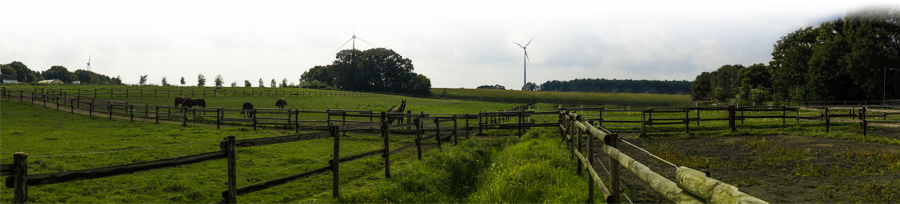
[
  {"x": 564, "y": 98},
  {"x": 61, "y": 141}
]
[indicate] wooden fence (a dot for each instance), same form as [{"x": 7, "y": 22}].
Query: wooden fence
[
  {"x": 19, "y": 179},
  {"x": 690, "y": 186}
]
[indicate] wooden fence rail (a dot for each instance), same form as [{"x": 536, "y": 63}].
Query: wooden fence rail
[{"x": 687, "y": 189}]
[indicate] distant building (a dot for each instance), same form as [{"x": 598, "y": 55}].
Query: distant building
[
  {"x": 51, "y": 82},
  {"x": 9, "y": 79},
  {"x": 76, "y": 82}
]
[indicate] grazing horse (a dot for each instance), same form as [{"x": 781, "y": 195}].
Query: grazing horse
[
  {"x": 281, "y": 103},
  {"x": 248, "y": 109},
  {"x": 190, "y": 102},
  {"x": 396, "y": 110},
  {"x": 179, "y": 100}
]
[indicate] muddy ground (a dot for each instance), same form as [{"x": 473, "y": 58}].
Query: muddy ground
[{"x": 842, "y": 177}]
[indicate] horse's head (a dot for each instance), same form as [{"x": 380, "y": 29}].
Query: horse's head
[{"x": 402, "y": 105}]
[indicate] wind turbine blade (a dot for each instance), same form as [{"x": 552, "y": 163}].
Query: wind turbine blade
[
  {"x": 529, "y": 42},
  {"x": 526, "y": 56},
  {"x": 345, "y": 44},
  {"x": 365, "y": 41},
  {"x": 517, "y": 44}
]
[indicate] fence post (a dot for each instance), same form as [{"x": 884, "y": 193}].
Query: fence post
[
  {"x": 109, "y": 106},
  {"x": 344, "y": 119},
  {"x": 643, "y": 128},
  {"x": 613, "y": 140},
  {"x": 827, "y": 120},
  {"x": 232, "y": 170},
  {"x": 467, "y": 126},
  {"x": 386, "y": 133},
  {"x": 578, "y": 162},
  {"x": 91, "y": 109},
  {"x": 184, "y": 113},
  {"x": 254, "y": 119},
  {"x": 783, "y": 115},
  {"x": 20, "y": 171},
  {"x": 455, "y": 133},
  {"x": 218, "y": 111},
  {"x": 408, "y": 119},
  {"x": 798, "y": 114},
  {"x": 687, "y": 120},
  {"x": 131, "y": 107},
  {"x": 590, "y": 153},
  {"x": 731, "y": 114},
  {"x": 862, "y": 115},
  {"x": 72, "y": 105},
  {"x": 480, "y": 127},
  {"x": 520, "y": 123},
  {"x": 157, "y": 115},
  {"x": 335, "y": 165},
  {"x": 437, "y": 125},
  {"x": 418, "y": 137}
]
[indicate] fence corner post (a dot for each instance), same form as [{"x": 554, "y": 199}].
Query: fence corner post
[
  {"x": 20, "y": 171},
  {"x": 613, "y": 140},
  {"x": 232, "y": 170},
  {"x": 335, "y": 168},
  {"x": 386, "y": 133},
  {"x": 590, "y": 153}
]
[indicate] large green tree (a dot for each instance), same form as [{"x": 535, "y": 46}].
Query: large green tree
[
  {"x": 873, "y": 37},
  {"x": 377, "y": 70},
  {"x": 61, "y": 73}
]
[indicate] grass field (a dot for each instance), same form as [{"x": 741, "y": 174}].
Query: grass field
[
  {"x": 484, "y": 169},
  {"x": 41, "y": 131}
]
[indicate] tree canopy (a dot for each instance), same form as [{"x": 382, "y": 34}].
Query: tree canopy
[
  {"x": 375, "y": 70},
  {"x": 847, "y": 58},
  {"x": 618, "y": 86}
]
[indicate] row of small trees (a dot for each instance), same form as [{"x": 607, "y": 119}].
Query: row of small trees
[
  {"x": 219, "y": 81},
  {"x": 25, "y": 75}
]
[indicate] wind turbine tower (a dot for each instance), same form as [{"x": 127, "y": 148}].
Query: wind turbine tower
[{"x": 525, "y": 61}]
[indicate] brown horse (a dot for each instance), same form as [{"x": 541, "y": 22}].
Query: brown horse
[
  {"x": 396, "y": 110},
  {"x": 281, "y": 103},
  {"x": 247, "y": 110},
  {"x": 190, "y": 102},
  {"x": 179, "y": 100}
]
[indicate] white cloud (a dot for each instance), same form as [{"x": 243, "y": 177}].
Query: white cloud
[
  {"x": 712, "y": 56},
  {"x": 641, "y": 51},
  {"x": 714, "y": 11}
]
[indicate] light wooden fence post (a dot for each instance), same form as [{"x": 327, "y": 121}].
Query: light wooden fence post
[
  {"x": 643, "y": 124},
  {"x": 20, "y": 172},
  {"x": 578, "y": 162},
  {"x": 232, "y": 170},
  {"x": 588, "y": 155},
  {"x": 613, "y": 140},
  {"x": 335, "y": 169},
  {"x": 386, "y": 133}
]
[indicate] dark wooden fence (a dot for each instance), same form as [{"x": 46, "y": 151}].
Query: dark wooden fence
[{"x": 19, "y": 179}]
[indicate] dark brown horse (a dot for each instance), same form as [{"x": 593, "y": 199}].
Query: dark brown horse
[
  {"x": 281, "y": 103},
  {"x": 396, "y": 110},
  {"x": 179, "y": 100},
  {"x": 190, "y": 102},
  {"x": 248, "y": 110}
]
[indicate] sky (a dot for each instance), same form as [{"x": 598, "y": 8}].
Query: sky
[{"x": 456, "y": 43}]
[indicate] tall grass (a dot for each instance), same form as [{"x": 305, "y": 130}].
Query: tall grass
[{"x": 532, "y": 169}]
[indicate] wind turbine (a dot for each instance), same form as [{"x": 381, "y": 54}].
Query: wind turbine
[
  {"x": 354, "y": 40},
  {"x": 89, "y": 63},
  {"x": 525, "y": 64}
]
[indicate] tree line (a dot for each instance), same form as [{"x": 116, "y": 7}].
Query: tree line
[
  {"x": 856, "y": 57},
  {"x": 372, "y": 70},
  {"x": 25, "y": 75},
  {"x": 614, "y": 86}
]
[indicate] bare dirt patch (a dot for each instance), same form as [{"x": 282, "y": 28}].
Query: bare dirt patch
[{"x": 779, "y": 168}]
